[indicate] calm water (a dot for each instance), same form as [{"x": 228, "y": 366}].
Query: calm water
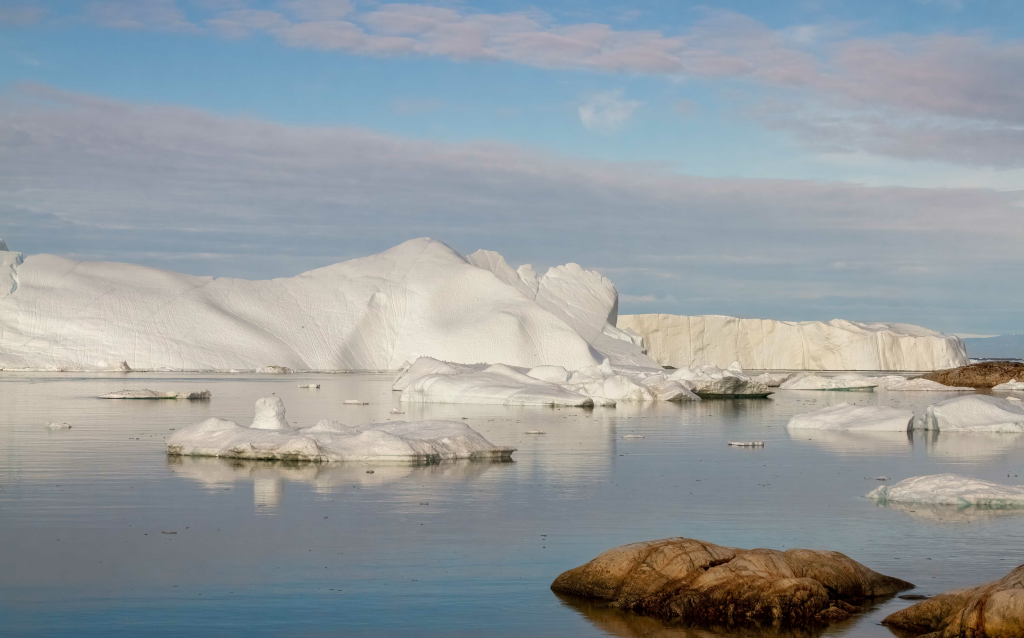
[{"x": 458, "y": 549}]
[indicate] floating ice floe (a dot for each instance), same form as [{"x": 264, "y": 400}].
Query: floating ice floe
[
  {"x": 895, "y": 383},
  {"x": 1010, "y": 386},
  {"x": 57, "y": 425},
  {"x": 973, "y": 413},
  {"x": 845, "y": 383},
  {"x": 950, "y": 489},
  {"x": 746, "y": 443},
  {"x": 273, "y": 370},
  {"x": 354, "y": 402},
  {"x": 853, "y": 418},
  {"x": 396, "y": 411},
  {"x": 773, "y": 379},
  {"x": 310, "y": 386},
  {"x": 712, "y": 381},
  {"x": 201, "y": 395},
  {"x": 270, "y": 437},
  {"x": 766, "y": 344},
  {"x": 430, "y": 381}
]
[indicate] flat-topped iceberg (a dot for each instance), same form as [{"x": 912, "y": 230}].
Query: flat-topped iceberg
[
  {"x": 420, "y": 298},
  {"x": 974, "y": 413},
  {"x": 950, "y": 489},
  {"x": 846, "y": 383},
  {"x": 199, "y": 395},
  {"x": 712, "y": 381},
  {"x": 271, "y": 437},
  {"x": 854, "y": 418},
  {"x": 767, "y": 344}
]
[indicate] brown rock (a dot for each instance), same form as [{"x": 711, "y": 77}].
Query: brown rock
[
  {"x": 979, "y": 375},
  {"x": 698, "y": 582},
  {"x": 993, "y": 610}
]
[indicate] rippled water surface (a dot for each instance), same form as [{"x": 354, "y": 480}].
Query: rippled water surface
[{"x": 102, "y": 533}]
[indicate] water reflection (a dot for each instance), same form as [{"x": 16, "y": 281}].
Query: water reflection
[
  {"x": 269, "y": 477},
  {"x": 951, "y": 513},
  {"x": 975, "y": 445},
  {"x": 615, "y": 622},
  {"x": 855, "y": 443}
]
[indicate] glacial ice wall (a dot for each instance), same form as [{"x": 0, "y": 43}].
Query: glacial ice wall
[
  {"x": 420, "y": 298},
  {"x": 766, "y": 344}
]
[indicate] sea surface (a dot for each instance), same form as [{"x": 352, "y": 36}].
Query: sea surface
[{"x": 101, "y": 533}]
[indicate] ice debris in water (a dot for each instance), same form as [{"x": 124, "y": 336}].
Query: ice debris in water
[
  {"x": 747, "y": 443},
  {"x": 57, "y": 425},
  {"x": 973, "y": 413},
  {"x": 849, "y": 383},
  {"x": 273, "y": 370},
  {"x": 855, "y": 418},
  {"x": 397, "y": 411},
  {"x": 354, "y": 402},
  {"x": 270, "y": 437},
  {"x": 200, "y": 395},
  {"x": 311, "y": 386},
  {"x": 950, "y": 489}
]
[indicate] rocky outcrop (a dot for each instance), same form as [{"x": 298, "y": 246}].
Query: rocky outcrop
[
  {"x": 979, "y": 375},
  {"x": 702, "y": 583},
  {"x": 993, "y": 610}
]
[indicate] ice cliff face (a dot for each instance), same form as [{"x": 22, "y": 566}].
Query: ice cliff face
[
  {"x": 765, "y": 344},
  {"x": 420, "y": 298}
]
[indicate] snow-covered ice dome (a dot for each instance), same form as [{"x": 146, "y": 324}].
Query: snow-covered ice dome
[
  {"x": 848, "y": 383},
  {"x": 270, "y": 437},
  {"x": 950, "y": 489},
  {"x": 420, "y": 298},
  {"x": 1012, "y": 385},
  {"x": 973, "y": 413},
  {"x": 854, "y": 418},
  {"x": 767, "y": 344}
]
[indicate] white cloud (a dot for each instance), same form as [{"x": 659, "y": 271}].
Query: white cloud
[{"x": 607, "y": 112}]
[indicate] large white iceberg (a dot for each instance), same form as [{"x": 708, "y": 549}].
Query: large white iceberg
[
  {"x": 420, "y": 298},
  {"x": 848, "y": 383},
  {"x": 766, "y": 344},
  {"x": 974, "y": 413},
  {"x": 854, "y": 418},
  {"x": 950, "y": 489},
  {"x": 270, "y": 437}
]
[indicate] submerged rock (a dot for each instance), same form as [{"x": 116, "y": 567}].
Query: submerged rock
[
  {"x": 697, "y": 582},
  {"x": 993, "y": 610}
]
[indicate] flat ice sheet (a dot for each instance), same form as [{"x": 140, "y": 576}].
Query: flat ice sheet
[
  {"x": 951, "y": 489},
  {"x": 808, "y": 381},
  {"x": 200, "y": 395},
  {"x": 854, "y": 418}
]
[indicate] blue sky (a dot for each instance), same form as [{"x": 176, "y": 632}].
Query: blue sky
[{"x": 798, "y": 160}]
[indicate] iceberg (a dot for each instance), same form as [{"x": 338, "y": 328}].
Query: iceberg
[
  {"x": 712, "y": 381},
  {"x": 974, "y": 413},
  {"x": 201, "y": 395},
  {"x": 430, "y": 381},
  {"x": 950, "y": 489},
  {"x": 773, "y": 380},
  {"x": 854, "y": 418},
  {"x": 846, "y": 383},
  {"x": 766, "y": 344},
  {"x": 1010, "y": 386},
  {"x": 903, "y": 384},
  {"x": 270, "y": 437},
  {"x": 420, "y": 298}
]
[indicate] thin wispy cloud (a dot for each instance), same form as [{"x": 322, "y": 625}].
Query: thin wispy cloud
[{"x": 607, "y": 112}]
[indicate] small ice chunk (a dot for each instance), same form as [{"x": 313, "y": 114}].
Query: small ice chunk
[
  {"x": 974, "y": 413},
  {"x": 397, "y": 411},
  {"x": 856, "y": 418},
  {"x": 57, "y": 425},
  {"x": 950, "y": 489},
  {"x": 200, "y": 395},
  {"x": 311, "y": 386},
  {"x": 354, "y": 402},
  {"x": 273, "y": 370},
  {"x": 633, "y": 436},
  {"x": 270, "y": 415},
  {"x": 747, "y": 443},
  {"x": 1010, "y": 386},
  {"x": 535, "y": 432}
]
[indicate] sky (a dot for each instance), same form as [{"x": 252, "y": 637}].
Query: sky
[{"x": 798, "y": 160}]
